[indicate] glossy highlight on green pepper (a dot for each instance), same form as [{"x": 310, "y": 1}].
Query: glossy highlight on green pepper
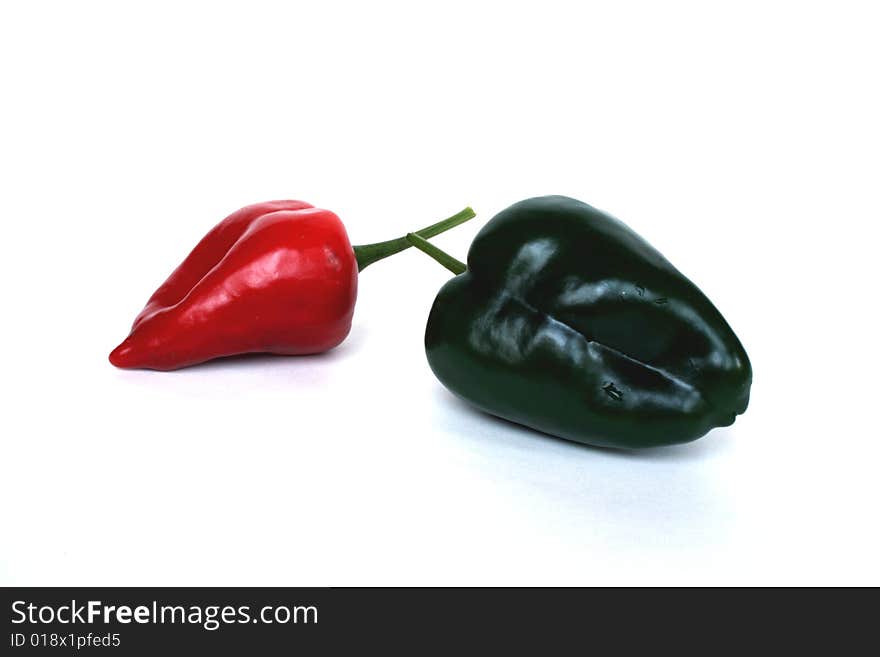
[{"x": 567, "y": 321}]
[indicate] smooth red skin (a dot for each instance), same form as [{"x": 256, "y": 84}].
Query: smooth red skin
[{"x": 277, "y": 277}]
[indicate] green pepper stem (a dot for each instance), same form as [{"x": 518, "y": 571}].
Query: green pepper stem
[
  {"x": 367, "y": 254},
  {"x": 455, "y": 266}
]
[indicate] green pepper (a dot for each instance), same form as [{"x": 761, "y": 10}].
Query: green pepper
[{"x": 566, "y": 321}]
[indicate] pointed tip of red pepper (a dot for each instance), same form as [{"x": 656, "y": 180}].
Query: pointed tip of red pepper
[{"x": 122, "y": 356}]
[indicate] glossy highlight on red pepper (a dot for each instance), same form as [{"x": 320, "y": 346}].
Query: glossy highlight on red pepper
[{"x": 277, "y": 277}]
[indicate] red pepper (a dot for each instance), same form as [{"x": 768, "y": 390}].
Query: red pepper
[{"x": 277, "y": 277}]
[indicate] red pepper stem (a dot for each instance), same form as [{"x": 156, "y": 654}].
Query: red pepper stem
[
  {"x": 455, "y": 266},
  {"x": 367, "y": 254}
]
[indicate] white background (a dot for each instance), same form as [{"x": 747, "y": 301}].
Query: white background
[{"x": 741, "y": 139}]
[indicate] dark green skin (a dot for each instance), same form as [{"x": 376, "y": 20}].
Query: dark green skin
[{"x": 568, "y": 322}]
